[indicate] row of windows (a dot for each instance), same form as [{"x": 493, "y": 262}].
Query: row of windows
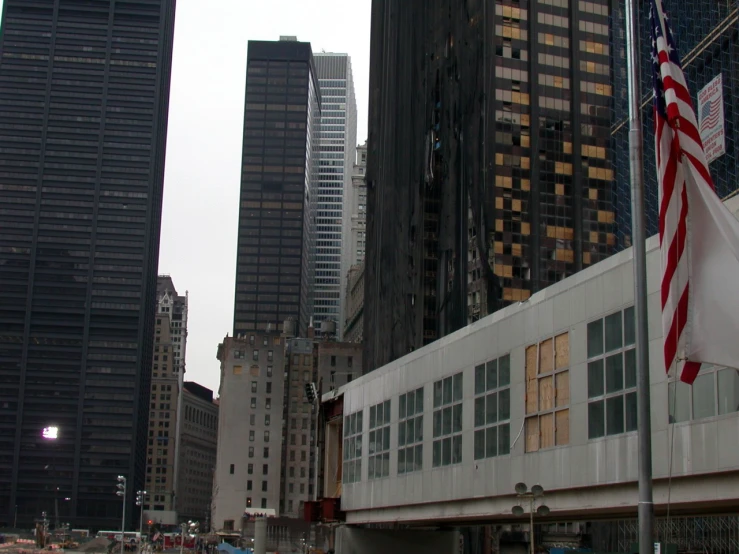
[{"x": 611, "y": 403}]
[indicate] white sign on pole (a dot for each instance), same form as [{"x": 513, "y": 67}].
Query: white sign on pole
[{"x": 711, "y": 118}]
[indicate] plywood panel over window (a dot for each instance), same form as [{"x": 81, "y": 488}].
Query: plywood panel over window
[
  {"x": 548, "y": 393},
  {"x": 546, "y": 357},
  {"x": 532, "y": 434},
  {"x": 532, "y": 387}
]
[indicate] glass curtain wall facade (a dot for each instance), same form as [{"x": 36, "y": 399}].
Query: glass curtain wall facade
[
  {"x": 489, "y": 172},
  {"x": 707, "y": 35},
  {"x": 553, "y": 204},
  {"x": 275, "y": 250},
  {"x": 333, "y": 192},
  {"x": 84, "y": 87}
]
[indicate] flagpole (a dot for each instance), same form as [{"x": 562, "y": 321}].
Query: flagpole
[{"x": 636, "y": 159}]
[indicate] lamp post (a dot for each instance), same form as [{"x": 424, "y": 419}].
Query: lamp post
[
  {"x": 121, "y": 486},
  {"x": 140, "y": 499},
  {"x": 51, "y": 434},
  {"x": 535, "y": 494},
  {"x": 192, "y": 530}
]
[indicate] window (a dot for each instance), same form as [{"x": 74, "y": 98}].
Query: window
[
  {"x": 493, "y": 408},
  {"x": 302, "y": 472},
  {"x": 302, "y": 488},
  {"x": 251, "y": 435},
  {"x": 293, "y": 423},
  {"x": 333, "y": 361},
  {"x": 611, "y": 375},
  {"x": 269, "y": 387},
  {"x": 252, "y": 419},
  {"x": 264, "y": 341},
  {"x": 303, "y": 440},
  {"x": 250, "y": 469},
  {"x": 255, "y": 355},
  {"x": 248, "y": 501},
  {"x": 379, "y": 441},
  {"x": 714, "y": 392},
  {"x": 253, "y": 402},
  {"x": 266, "y": 436},
  {"x": 292, "y": 439},
  {"x": 231, "y": 469},
  {"x": 228, "y": 524},
  {"x": 289, "y": 505},
  {"x": 248, "y": 485},
  {"x": 447, "y": 446},
  {"x": 266, "y": 452},
  {"x": 264, "y": 502},
  {"x": 264, "y": 486},
  {"x": 548, "y": 393},
  {"x": 349, "y": 361},
  {"x": 292, "y": 471},
  {"x": 269, "y": 371},
  {"x": 268, "y": 403},
  {"x": 270, "y": 355},
  {"x": 254, "y": 387},
  {"x": 410, "y": 431},
  {"x": 266, "y": 420},
  {"x": 251, "y": 340},
  {"x": 352, "y": 466},
  {"x": 236, "y": 370},
  {"x": 251, "y": 451},
  {"x": 302, "y": 456}
]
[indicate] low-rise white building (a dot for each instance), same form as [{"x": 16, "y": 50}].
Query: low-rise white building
[{"x": 542, "y": 392}]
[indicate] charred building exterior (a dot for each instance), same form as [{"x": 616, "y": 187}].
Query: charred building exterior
[
  {"x": 488, "y": 173},
  {"x": 84, "y": 88},
  {"x": 274, "y": 270}
]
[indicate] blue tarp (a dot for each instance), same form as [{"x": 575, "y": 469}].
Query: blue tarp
[{"x": 228, "y": 549}]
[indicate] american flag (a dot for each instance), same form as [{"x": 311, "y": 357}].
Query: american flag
[
  {"x": 710, "y": 114},
  {"x": 680, "y": 156}
]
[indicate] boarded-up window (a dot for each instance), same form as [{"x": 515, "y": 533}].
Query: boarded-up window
[{"x": 548, "y": 393}]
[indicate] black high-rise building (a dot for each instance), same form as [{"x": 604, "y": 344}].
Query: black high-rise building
[
  {"x": 488, "y": 170},
  {"x": 274, "y": 268},
  {"x": 84, "y": 93}
]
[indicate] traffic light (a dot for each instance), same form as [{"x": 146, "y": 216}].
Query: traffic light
[
  {"x": 121, "y": 486},
  {"x": 311, "y": 392},
  {"x": 141, "y": 497}
]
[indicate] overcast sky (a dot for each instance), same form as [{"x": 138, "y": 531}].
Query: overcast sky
[{"x": 201, "y": 185}]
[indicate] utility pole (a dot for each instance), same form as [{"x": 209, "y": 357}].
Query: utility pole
[
  {"x": 636, "y": 166},
  {"x": 121, "y": 486}
]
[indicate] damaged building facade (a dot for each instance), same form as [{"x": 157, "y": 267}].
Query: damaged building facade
[{"x": 489, "y": 172}]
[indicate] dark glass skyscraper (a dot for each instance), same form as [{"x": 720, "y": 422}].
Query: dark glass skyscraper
[
  {"x": 488, "y": 169},
  {"x": 274, "y": 268},
  {"x": 84, "y": 93}
]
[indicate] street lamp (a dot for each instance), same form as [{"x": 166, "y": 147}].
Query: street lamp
[
  {"x": 51, "y": 433},
  {"x": 140, "y": 499},
  {"x": 192, "y": 529},
  {"x": 121, "y": 486},
  {"x": 535, "y": 494}
]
